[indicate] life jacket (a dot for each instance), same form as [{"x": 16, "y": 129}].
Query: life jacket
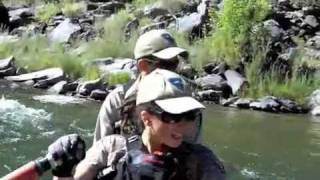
[{"x": 139, "y": 165}]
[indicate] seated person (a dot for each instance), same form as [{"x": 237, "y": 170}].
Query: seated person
[{"x": 167, "y": 112}]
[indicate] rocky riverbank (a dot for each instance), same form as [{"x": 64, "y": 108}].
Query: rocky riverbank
[{"x": 216, "y": 82}]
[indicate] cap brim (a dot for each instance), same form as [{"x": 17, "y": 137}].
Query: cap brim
[
  {"x": 179, "y": 105},
  {"x": 169, "y": 53}
]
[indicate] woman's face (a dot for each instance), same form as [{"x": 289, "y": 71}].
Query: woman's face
[{"x": 170, "y": 134}]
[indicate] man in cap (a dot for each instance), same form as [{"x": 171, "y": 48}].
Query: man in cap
[{"x": 154, "y": 49}]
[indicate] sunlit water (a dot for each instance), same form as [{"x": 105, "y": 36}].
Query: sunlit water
[{"x": 253, "y": 145}]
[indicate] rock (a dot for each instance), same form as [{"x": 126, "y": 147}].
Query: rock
[
  {"x": 187, "y": 23},
  {"x": 314, "y": 99},
  {"x": 211, "y": 81},
  {"x": 214, "y": 68},
  {"x": 20, "y": 17},
  {"x": 311, "y": 21},
  {"x": 155, "y": 10},
  {"x": 4, "y": 16},
  {"x": 28, "y": 83},
  {"x": 209, "y": 95},
  {"x": 314, "y": 42},
  {"x": 234, "y": 80},
  {"x": 22, "y": 12},
  {"x": 47, "y": 74},
  {"x": 243, "y": 103},
  {"x": 131, "y": 27},
  {"x": 110, "y": 65},
  {"x": 316, "y": 111},
  {"x": 6, "y": 63},
  {"x": 98, "y": 94},
  {"x": 289, "y": 106},
  {"x": 87, "y": 87},
  {"x": 267, "y": 103},
  {"x": 64, "y": 30},
  {"x": 11, "y": 71},
  {"x": 58, "y": 88},
  {"x": 229, "y": 101},
  {"x": 273, "y": 28},
  {"x": 113, "y": 6}
]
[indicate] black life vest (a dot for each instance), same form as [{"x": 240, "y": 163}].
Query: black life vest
[{"x": 140, "y": 165}]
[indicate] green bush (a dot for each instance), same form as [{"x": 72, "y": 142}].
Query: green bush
[
  {"x": 45, "y": 12},
  {"x": 71, "y": 8},
  {"x": 117, "y": 78},
  {"x": 113, "y": 42},
  {"x": 234, "y": 27}
]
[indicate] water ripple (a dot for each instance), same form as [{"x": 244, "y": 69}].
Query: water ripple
[{"x": 17, "y": 118}]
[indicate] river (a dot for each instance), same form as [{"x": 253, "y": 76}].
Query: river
[{"x": 252, "y": 144}]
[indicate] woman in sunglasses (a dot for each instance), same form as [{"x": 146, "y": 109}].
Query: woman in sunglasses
[{"x": 167, "y": 112}]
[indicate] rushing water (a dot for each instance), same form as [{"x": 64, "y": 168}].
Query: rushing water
[{"x": 253, "y": 145}]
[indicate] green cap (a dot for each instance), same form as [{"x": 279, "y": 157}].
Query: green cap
[
  {"x": 158, "y": 43},
  {"x": 168, "y": 90}
]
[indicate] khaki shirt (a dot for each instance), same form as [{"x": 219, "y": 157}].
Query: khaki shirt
[{"x": 201, "y": 163}]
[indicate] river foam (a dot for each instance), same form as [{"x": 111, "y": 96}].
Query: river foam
[
  {"x": 59, "y": 99},
  {"x": 17, "y": 118}
]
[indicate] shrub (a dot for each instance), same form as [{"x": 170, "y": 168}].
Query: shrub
[
  {"x": 73, "y": 9},
  {"x": 46, "y": 11},
  {"x": 117, "y": 78},
  {"x": 234, "y": 25},
  {"x": 113, "y": 42}
]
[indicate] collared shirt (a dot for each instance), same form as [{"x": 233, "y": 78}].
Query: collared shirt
[{"x": 109, "y": 112}]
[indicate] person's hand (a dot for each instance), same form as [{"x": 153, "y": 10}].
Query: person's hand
[{"x": 66, "y": 152}]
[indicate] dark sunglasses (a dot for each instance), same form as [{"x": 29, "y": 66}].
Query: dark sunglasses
[
  {"x": 163, "y": 64},
  {"x": 189, "y": 116}
]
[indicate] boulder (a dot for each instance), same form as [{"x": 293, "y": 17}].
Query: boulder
[
  {"x": 20, "y": 17},
  {"x": 4, "y": 16},
  {"x": 85, "y": 88},
  {"x": 243, "y": 103},
  {"x": 58, "y": 88},
  {"x": 64, "y": 30},
  {"x": 188, "y": 22},
  {"x": 209, "y": 95},
  {"x": 316, "y": 111},
  {"x": 113, "y": 6},
  {"x": 155, "y": 10},
  {"x": 211, "y": 81},
  {"x": 215, "y": 68},
  {"x": 51, "y": 75},
  {"x": 273, "y": 28},
  {"x": 314, "y": 98},
  {"x": 268, "y": 103},
  {"x": 98, "y": 94},
  {"x": 110, "y": 65},
  {"x": 6, "y": 63},
  {"x": 11, "y": 71},
  {"x": 234, "y": 79}
]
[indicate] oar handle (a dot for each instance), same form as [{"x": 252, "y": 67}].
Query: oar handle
[{"x": 31, "y": 171}]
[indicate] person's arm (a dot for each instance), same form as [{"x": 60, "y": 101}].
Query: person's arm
[
  {"x": 108, "y": 114},
  {"x": 101, "y": 155}
]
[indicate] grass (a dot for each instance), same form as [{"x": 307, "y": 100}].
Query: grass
[
  {"x": 72, "y": 8},
  {"x": 113, "y": 42},
  {"x": 45, "y": 12}
]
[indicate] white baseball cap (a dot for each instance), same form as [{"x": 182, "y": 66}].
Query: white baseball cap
[
  {"x": 158, "y": 43},
  {"x": 168, "y": 90}
]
